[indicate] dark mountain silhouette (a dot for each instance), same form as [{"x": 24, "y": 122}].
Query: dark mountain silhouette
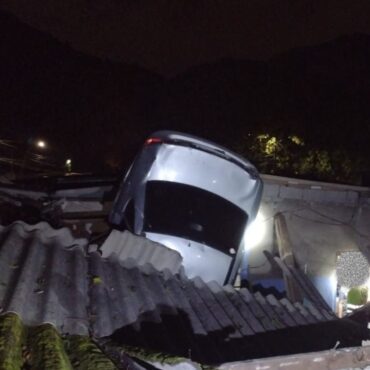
[
  {"x": 99, "y": 111},
  {"x": 327, "y": 88},
  {"x": 319, "y": 92}
]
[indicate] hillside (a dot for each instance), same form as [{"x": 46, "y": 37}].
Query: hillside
[{"x": 99, "y": 111}]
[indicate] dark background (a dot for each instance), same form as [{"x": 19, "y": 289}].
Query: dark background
[{"x": 97, "y": 104}]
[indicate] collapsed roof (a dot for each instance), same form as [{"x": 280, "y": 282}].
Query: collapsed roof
[{"x": 48, "y": 276}]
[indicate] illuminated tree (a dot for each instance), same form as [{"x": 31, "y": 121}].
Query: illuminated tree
[{"x": 290, "y": 155}]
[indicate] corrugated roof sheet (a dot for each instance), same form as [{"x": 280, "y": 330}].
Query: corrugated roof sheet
[
  {"x": 42, "y": 347},
  {"x": 125, "y": 245},
  {"x": 302, "y": 283},
  {"x": 47, "y": 276},
  {"x": 43, "y": 276}
]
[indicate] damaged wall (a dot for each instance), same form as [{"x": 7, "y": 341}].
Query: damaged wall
[{"x": 322, "y": 220}]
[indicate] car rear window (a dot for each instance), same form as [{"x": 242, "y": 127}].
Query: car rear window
[{"x": 192, "y": 213}]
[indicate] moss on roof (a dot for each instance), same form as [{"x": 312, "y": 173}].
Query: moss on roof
[
  {"x": 43, "y": 348},
  {"x": 46, "y": 349},
  {"x": 84, "y": 354},
  {"x": 153, "y": 357},
  {"x": 12, "y": 340}
]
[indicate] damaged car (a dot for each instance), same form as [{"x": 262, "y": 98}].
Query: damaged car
[{"x": 193, "y": 196}]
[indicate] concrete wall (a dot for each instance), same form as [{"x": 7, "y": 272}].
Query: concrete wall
[{"x": 323, "y": 220}]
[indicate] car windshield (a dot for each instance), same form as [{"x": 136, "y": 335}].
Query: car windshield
[{"x": 192, "y": 213}]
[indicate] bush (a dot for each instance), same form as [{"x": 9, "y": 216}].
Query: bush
[{"x": 357, "y": 296}]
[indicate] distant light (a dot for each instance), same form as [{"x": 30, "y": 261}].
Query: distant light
[
  {"x": 255, "y": 232},
  {"x": 41, "y": 144},
  {"x": 68, "y": 165}
]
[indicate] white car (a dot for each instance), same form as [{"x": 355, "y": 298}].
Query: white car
[{"x": 193, "y": 196}]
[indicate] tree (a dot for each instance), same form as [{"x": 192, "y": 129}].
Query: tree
[{"x": 290, "y": 155}]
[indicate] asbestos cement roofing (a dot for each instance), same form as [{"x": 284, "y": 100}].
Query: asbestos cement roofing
[
  {"x": 48, "y": 277},
  {"x": 42, "y": 347},
  {"x": 125, "y": 245}
]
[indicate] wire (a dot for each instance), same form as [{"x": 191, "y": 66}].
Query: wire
[
  {"x": 317, "y": 221},
  {"x": 335, "y": 221},
  {"x": 338, "y": 222},
  {"x": 332, "y": 218},
  {"x": 283, "y": 212}
]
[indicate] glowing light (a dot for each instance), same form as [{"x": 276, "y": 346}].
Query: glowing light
[
  {"x": 255, "y": 232},
  {"x": 153, "y": 140},
  {"x": 68, "y": 165},
  {"x": 41, "y": 144},
  {"x": 333, "y": 281}
]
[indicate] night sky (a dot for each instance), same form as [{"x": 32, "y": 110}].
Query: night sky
[
  {"x": 169, "y": 36},
  {"x": 94, "y": 78}
]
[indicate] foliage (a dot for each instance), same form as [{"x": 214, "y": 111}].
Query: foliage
[
  {"x": 46, "y": 349},
  {"x": 291, "y": 155},
  {"x": 12, "y": 339},
  {"x": 357, "y": 296},
  {"x": 84, "y": 354}
]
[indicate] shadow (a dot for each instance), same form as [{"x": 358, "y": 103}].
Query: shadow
[
  {"x": 268, "y": 290},
  {"x": 174, "y": 336}
]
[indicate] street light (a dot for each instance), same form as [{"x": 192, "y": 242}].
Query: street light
[
  {"x": 41, "y": 144},
  {"x": 68, "y": 165}
]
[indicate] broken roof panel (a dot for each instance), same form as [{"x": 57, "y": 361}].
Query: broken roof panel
[
  {"x": 42, "y": 347},
  {"x": 125, "y": 245},
  {"x": 47, "y": 276},
  {"x": 43, "y": 276}
]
